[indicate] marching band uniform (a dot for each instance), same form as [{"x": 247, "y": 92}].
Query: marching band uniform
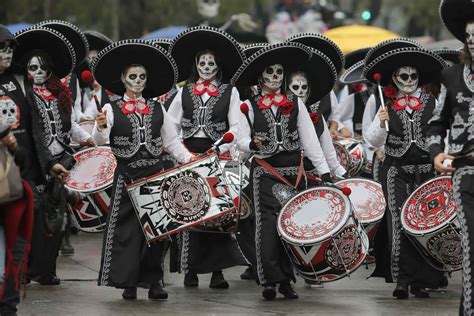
[
  {"x": 407, "y": 163},
  {"x": 454, "y": 112},
  {"x": 139, "y": 130},
  {"x": 285, "y": 129}
]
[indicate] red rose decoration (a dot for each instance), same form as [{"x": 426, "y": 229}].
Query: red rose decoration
[
  {"x": 287, "y": 108},
  {"x": 314, "y": 117},
  {"x": 358, "y": 87},
  {"x": 390, "y": 92}
]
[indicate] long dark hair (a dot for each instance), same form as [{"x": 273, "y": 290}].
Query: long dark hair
[
  {"x": 194, "y": 76},
  {"x": 53, "y": 83}
]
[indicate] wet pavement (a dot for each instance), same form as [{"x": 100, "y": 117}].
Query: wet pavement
[{"x": 79, "y": 294}]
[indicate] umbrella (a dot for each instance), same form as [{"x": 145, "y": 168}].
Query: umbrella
[
  {"x": 18, "y": 27},
  {"x": 166, "y": 32},
  {"x": 352, "y": 37}
]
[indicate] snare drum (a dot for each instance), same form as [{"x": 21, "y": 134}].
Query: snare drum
[
  {"x": 322, "y": 237},
  {"x": 429, "y": 219},
  {"x": 92, "y": 175},
  {"x": 357, "y": 153}
]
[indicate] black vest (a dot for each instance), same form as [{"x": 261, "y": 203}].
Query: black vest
[
  {"x": 319, "y": 125},
  {"x": 407, "y": 130},
  {"x": 211, "y": 116},
  {"x": 169, "y": 97},
  {"x": 129, "y": 133},
  {"x": 360, "y": 99},
  {"x": 324, "y": 106},
  {"x": 278, "y": 132}
]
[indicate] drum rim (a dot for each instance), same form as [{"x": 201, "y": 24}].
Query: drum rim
[
  {"x": 320, "y": 239},
  {"x": 417, "y": 233},
  {"x": 99, "y": 188}
]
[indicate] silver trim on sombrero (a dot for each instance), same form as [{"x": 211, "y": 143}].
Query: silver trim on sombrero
[
  {"x": 325, "y": 58},
  {"x": 356, "y": 52},
  {"x": 254, "y": 45},
  {"x": 357, "y": 65},
  {"x": 322, "y": 37},
  {"x": 146, "y": 43},
  {"x": 210, "y": 29},
  {"x": 402, "y": 50},
  {"x": 160, "y": 41},
  {"x": 99, "y": 35},
  {"x": 264, "y": 50},
  {"x": 56, "y": 33},
  {"x": 389, "y": 41},
  {"x": 74, "y": 27}
]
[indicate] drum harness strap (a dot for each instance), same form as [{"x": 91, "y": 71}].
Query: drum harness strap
[{"x": 265, "y": 165}]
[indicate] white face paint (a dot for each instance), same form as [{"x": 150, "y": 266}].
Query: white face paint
[
  {"x": 8, "y": 111},
  {"x": 273, "y": 77},
  {"x": 470, "y": 37},
  {"x": 406, "y": 79},
  {"x": 6, "y": 55},
  {"x": 207, "y": 67},
  {"x": 208, "y": 8},
  {"x": 299, "y": 86},
  {"x": 135, "y": 80},
  {"x": 37, "y": 70}
]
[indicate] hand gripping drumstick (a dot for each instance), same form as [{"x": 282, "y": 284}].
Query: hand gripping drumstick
[
  {"x": 377, "y": 78},
  {"x": 87, "y": 77},
  {"x": 226, "y": 139}
]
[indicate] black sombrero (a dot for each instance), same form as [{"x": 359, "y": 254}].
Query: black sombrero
[
  {"x": 355, "y": 56},
  {"x": 387, "y": 46},
  {"x": 74, "y": 35},
  {"x": 321, "y": 75},
  {"x": 427, "y": 63},
  {"x": 322, "y": 44},
  {"x": 287, "y": 54},
  {"x": 165, "y": 43},
  {"x": 195, "y": 39},
  {"x": 455, "y": 14},
  {"x": 449, "y": 54},
  {"x": 251, "y": 49},
  {"x": 50, "y": 41},
  {"x": 354, "y": 74},
  {"x": 97, "y": 41},
  {"x": 160, "y": 66}
]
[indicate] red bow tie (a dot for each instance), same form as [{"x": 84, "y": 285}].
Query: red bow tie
[
  {"x": 44, "y": 93},
  {"x": 137, "y": 106},
  {"x": 267, "y": 100},
  {"x": 211, "y": 89},
  {"x": 413, "y": 103}
]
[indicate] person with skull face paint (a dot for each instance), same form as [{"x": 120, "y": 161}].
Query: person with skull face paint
[
  {"x": 139, "y": 131},
  {"x": 281, "y": 135},
  {"x": 455, "y": 113},
  {"x": 204, "y": 110},
  {"x": 407, "y": 164}
]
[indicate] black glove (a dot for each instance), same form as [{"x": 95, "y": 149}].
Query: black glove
[
  {"x": 326, "y": 178},
  {"x": 253, "y": 146}
]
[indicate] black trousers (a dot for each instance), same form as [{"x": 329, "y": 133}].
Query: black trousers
[{"x": 11, "y": 295}]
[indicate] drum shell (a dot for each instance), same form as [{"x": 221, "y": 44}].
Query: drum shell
[{"x": 90, "y": 215}]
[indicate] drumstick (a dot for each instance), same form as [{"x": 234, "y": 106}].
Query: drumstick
[
  {"x": 87, "y": 77},
  {"x": 377, "y": 77},
  {"x": 226, "y": 139},
  {"x": 244, "y": 108}
]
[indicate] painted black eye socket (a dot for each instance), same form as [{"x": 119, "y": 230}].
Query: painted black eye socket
[
  {"x": 405, "y": 77},
  {"x": 304, "y": 87},
  {"x": 132, "y": 77},
  {"x": 4, "y": 111},
  {"x": 295, "y": 87},
  {"x": 279, "y": 71},
  {"x": 143, "y": 76},
  {"x": 12, "y": 111},
  {"x": 269, "y": 71},
  {"x": 35, "y": 67},
  {"x": 211, "y": 63}
]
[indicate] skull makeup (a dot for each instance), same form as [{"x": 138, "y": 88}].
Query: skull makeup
[
  {"x": 134, "y": 80},
  {"x": 37, "y": 70},
  {"x": 272, "y": 77},
  {"x": 208, "y": 8},
  {"x": 207, "y": 67},
  {"x": 8, "y": 111},
  {"x": 6, "y": 54},
  {"x": 406, "y": 79},
  {"x": 470, "y": 37},
  {"x": 299, "y": 85}
]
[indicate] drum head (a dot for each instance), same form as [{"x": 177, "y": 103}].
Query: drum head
[
  {"x": 367, "y": 199},
  {"x": 93, "y": 171},
  {"x": 313, "y": 215},
  {"x": 429, "y": 208}
]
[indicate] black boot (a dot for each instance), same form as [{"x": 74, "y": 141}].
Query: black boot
[
  {"x": 287, "y": 290},
  {"x": 47, "y": 280},
  {"x": 218, "y": 281},
  {"x": 66, "y": 248},
  {"x": 157, "y": 292},
  {"x": 401, "y": 291},
  {"x": 129, "y": 293},
  {"x": 248, "y": 274},
  {"x": 419, "y": 292},
  {"x": 269, "y": 293},
  {"x": 191, "y": 280}
]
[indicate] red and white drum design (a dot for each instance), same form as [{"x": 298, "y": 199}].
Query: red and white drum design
[
  {"x": 429, "y": 217},
  {"x": 90, "y": 215},
  {"x": 343, "y": 156},
  {"x": 368, "y": 201},
  {"x": 88, "y": 126},
  {"x": 357, "y": 152},
  {"x": 93, "y": 171},
  {"x": 321, "y": 236}
]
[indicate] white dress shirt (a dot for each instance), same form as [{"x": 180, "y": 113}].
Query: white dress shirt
[
  {"x": 329, "y": 152},
  {"x": 171, "y": 141}
]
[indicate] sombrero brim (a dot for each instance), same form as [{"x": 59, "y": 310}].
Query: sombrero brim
[
  {"x": 387, "y": 46},
  {"x": 251, "y": 49},
  {"x": 160, "y": 66},
  {"x": 323, "y": 44},
  {"x": 74, "y": 35},
  {"x": 193, "y": 40},
  {"x": 455, "y": 14},
  {"x": 97, "y": 41},
  {"x": 428, "y": 64},
  {"x": 289, "y": 55},
  {"x": 50, "y": 41},
  {"x": 355, "y": 56},
  {"x": 354, "y": 74},
  {"x": 321, "y": 75},
  {"x": 447, "y": 54},
  {"x": 162, "y": 42}
]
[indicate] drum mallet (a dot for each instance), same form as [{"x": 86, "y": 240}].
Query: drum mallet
[
  {"x": 226, "y": 139},
  {"x": 377, "y": 77},
  {"x": 87, "y": 77},
  {"x": 244, "y": 108}
]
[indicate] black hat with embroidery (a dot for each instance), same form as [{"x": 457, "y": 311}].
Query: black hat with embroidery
[
  {"x": 159, "y": 65},
  {"x": 97, "y": 41},
  {"x": 5, "y": 34},
  {"x": 455, "y": 14},
  {"x": 165, "y": 43},
  {"x": 450, "y": 56},
  {"x": 191, "y": 41},
  {"x": 52, "y": 42},
  {"x": 251, "y": 49}
]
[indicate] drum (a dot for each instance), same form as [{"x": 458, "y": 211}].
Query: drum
[
  {"x": 357, "y": 153},
  {"x": 368, "y": 202},
  {"x": 182, "y": 197},
  {"x": 92, "y": 176},
  {"x": 368, "y": 167},
  {"x": 429, "y": 219},
  {"x": 322, "y": 237}
]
